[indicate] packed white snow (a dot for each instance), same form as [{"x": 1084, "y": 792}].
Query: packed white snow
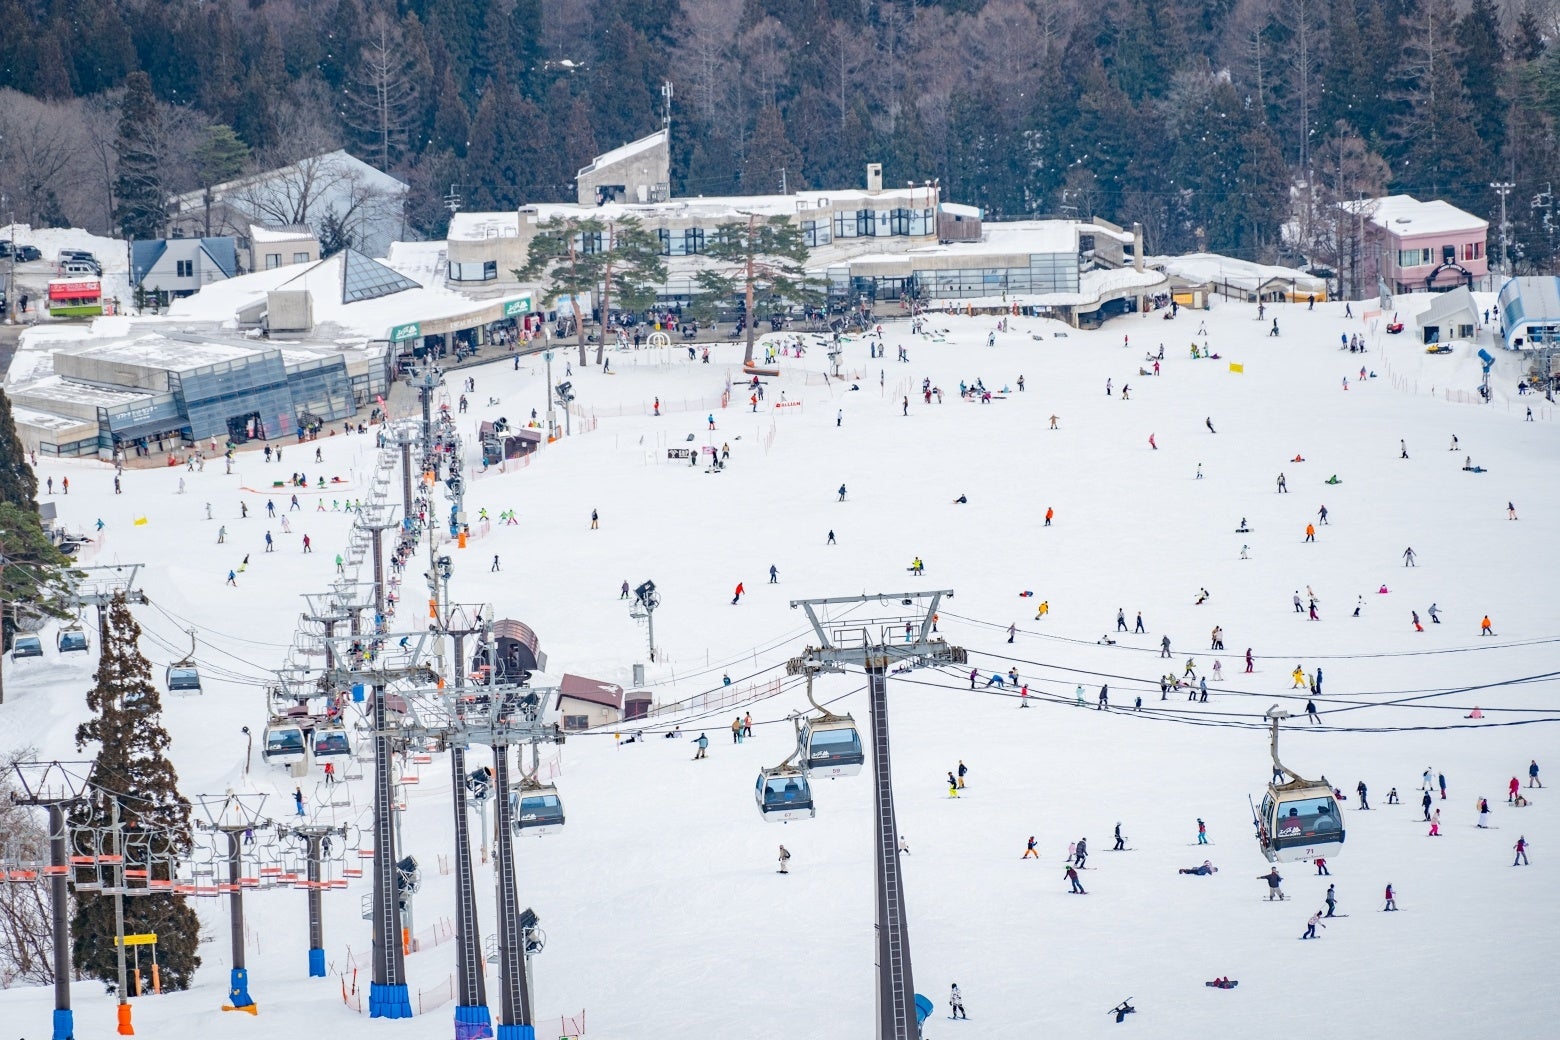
[{"x": 663, "y": 911}]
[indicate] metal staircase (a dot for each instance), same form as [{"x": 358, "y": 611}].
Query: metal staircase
[
  {"x": 388, "y": 996},
  {"x": 896, "y": 988},
  {"x": 515, "y": 1005},
  {"x": 472, "y": 1019}
]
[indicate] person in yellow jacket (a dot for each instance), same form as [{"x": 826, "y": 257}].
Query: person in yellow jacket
[
  {"x": 1298, "y": 675},
  {"x": 1043, "y": 609}
]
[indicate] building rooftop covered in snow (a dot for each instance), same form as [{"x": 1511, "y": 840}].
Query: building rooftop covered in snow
[
  {"x": 872, "y": 245},
  {"x": 1530, "y": 313},
  {"x": 1415, "y": 246}
]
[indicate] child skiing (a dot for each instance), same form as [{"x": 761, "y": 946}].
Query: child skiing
[
  {"x": 1072, "y": 875},
  {"x": 1029, "y": 849}
]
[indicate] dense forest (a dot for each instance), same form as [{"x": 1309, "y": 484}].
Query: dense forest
[{"x": 1211, "y": 122}]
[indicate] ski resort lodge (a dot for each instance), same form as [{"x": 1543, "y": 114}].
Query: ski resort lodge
[{"x": 874, "y": 245}]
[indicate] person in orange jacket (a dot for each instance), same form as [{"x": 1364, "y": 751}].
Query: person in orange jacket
[
  {"x": 1049, "y": 514},
  {"x": 1484, "y": 627}
]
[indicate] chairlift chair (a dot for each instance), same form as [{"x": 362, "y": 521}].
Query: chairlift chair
[{"x": 1300, "y": 819}]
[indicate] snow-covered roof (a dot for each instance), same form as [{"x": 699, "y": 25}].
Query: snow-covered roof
[
  {"x": 47, "y": 420},
  {"x": 1200, "y": 268},
  {"x": 260, "y": 235},
  {"x": 152, "y": 350},
  {"x": 1405, "y": 215},
  {"x": 368, "y": 319},
  {"x": 959, "y": 209},
  {"x": 734, "y": 207},
  {"x": 475, "y": 227},
  {"x": 1448, "y": 305},
  {"x": 68, "y": 391},
  {"x": 632, "y": 148}
]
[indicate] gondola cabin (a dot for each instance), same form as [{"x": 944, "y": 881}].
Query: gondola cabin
[
  {"x": 536, "y": 809},
  {"x": 830, "y": 747},
  {"x": 183, "y": 678},
  {"x": 285, "y": 744},
  {"x": 331, "y": 742},
  {"x": 1300, "y": 821},
  {"x": 26, "y": 646},
  {"x": 72, "y": 640},
  {"x": 783, "y": 794}
]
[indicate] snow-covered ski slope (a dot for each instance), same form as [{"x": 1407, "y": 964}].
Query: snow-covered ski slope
[{"x": 663, "y": 911}]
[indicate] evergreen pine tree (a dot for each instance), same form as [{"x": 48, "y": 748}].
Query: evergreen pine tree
[
  {"x": 767, "y": 251},
  {"x": 141, "y": 209},
  {"x": 18, "y": 483},
  {"x": 132, "y": 770}
]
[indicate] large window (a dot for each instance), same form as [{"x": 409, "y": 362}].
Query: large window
[
  {"x": 815, "y": 232},
  {"x": 588, "y": 242},
  {"x": 1473, "y": 251},
  {"x": 865, "y": 224},
  {"x": 1413, "y": 257},
  {"x": 681, "y": 241},
  {"x": 477, "y": 271},
  {"x": 184, "y": 268},
  {"x": 845, "y": 224},
  {"x": 922, "y": 222},
  {"x": 899, "y": 222}
]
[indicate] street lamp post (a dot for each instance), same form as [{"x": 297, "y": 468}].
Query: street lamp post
[{"x": 1503, "y": 188}]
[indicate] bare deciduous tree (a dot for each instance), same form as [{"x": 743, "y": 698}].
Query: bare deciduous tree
[{"x": 26, "y": 932}]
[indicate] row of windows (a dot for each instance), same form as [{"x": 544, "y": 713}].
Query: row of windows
[
  {"x": 1423, "y": 257},
  {"x": 274, "y": 260},
  {"x": 861, "y": 223}
]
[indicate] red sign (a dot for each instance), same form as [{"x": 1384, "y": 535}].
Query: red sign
[{"x": 89, "y": 290}]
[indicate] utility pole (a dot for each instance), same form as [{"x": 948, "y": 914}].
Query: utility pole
[
  {"x": 1503, "y": 188},
  {"x": 874, "y": 645}
]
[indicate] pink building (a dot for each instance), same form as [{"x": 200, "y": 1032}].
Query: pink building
[{"x": 1421, "y": 246}]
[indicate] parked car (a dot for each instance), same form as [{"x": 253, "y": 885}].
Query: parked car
[{"x": 27, "y": 254}]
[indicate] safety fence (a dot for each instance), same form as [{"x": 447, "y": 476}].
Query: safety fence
[
  {"x": 440, "y": 933},
  {"x": 431, "y": 998},
  {"x": 717, "y": 699}
]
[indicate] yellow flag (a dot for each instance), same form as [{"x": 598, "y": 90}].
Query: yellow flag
[
  {"x": 1234, "y": 367},
  {"x": 140, "y": 521}
]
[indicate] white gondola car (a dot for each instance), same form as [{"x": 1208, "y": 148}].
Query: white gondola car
[
  {"x": 536, "y": 809},
  {"x": 830, "y": 746},
  {"x": 331, "y": 742},
  {"x": 71, "y": 639},
  {"x": 183, "y": 678},
  {"x": 1300, "y": 819},
  {"x": 783, "y": 794},
  {"x": 285, "y": 743},
  {"x": 26, "y": 646}
]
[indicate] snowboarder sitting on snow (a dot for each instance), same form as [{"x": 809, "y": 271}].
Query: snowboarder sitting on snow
[
  {"x": 1206, "y": 868},
  {"x": 961, "y": 500}
]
